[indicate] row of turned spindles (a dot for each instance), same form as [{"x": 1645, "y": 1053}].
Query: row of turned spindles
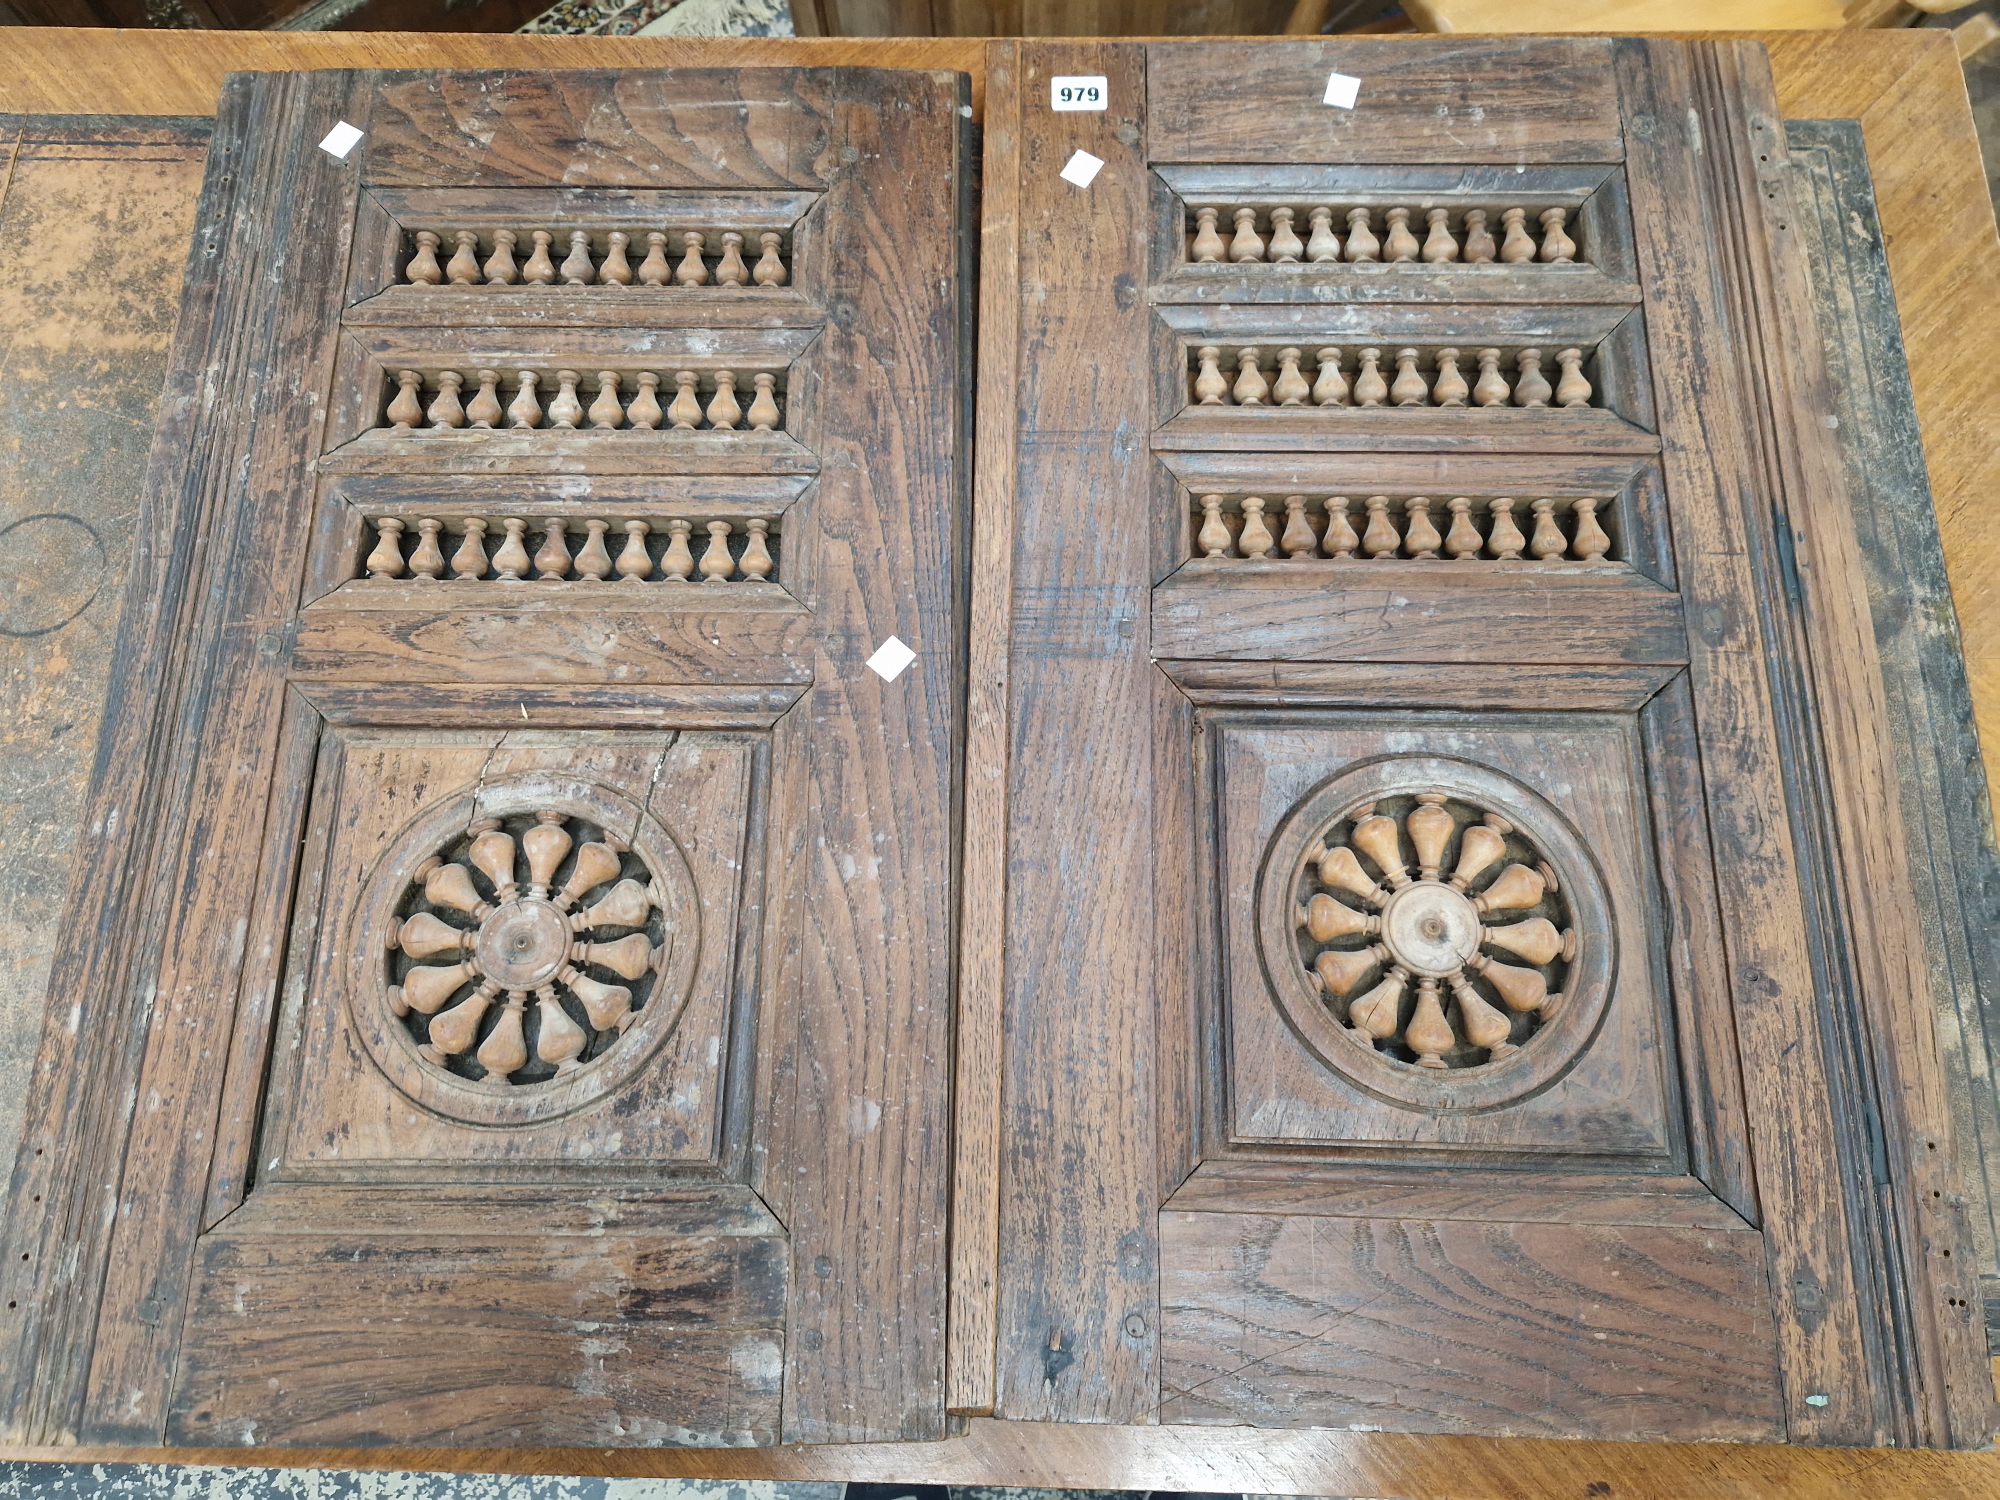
[
  {"x": 1472, "y": 244},
  {"x": 1385, "y": 534},
  {"x": 497, "y": 267},
  {"x": 1444, "y": 384},
  {"x": 685, "y": 411},
  {"x": 422, "y": 556}
]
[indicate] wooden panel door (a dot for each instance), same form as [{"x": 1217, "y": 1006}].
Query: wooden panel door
[
  {"x": 1420, "y": 623},
  {"x": 512, "y": 963}
]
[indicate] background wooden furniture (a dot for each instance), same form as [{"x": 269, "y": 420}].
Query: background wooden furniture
[{"x": 1904, "y": 89}]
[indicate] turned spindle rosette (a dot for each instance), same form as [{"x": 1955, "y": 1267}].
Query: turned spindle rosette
[{"x": 1438, "y": 920}]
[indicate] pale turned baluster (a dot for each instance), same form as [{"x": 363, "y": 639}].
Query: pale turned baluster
[
  {"x": 757, "y": 551},
  {"x": 1255, "y": 539},
  {"x": 1522, "y": 989},
  {"x": 455, "y": 1031},
  {"x": 607, "y": 1005},
  {"x": 500, "y": 268},
  {"x": 1548, "y": 541},
  {"x": 635, "y": 564},
  {"x": 724, "y": 411},
  {"x": 510, "y": 563},
  {"x": 1429, "y": 1035},
  {"x": 1430, "y": 828},
  {"x": 552, "y": 558},
  {"x": 1340, "y": 970},
  {"x": 1420, "y": 536},
  {"x": 1340, "y": 540},
  {"x": 1330, "y": 389},
  {"x": 770, "y": 269},
  {"x": 566, "y": 411},
  {"x": 684, "y": 411},
  {"x": 1213, "y": 538},
  {"x": 629, "y": 958},
  {"x": 595, "y": 864},
  {"x": 1503, "y": 537},
  {"x": 1251, "y": 387},
  {"x": 764, "y": 414},
  {"x": 558, "y": 1039},
  {"x": 1380, "y": 539},
  {"x": 428, "y": 560},
  {"x": 1449, "y": 389},
  {"x": 1591, "y": 540},
  {"x": 426, "y": 936},
  {"x": 450, "y": 885},
  {"x": 1298, "y": 540},
  {"x": 616, "y": 270},
  {"x": 1285, "y": 245},
  {"x": 1536, "y": 940},
  {"x": 1400, "y": 246},
  {"x": 464, "y": 267},
  {"x": 1439, "y": 246},
  {"x": 1361, "y": 241},
  {"x": 1370, "y": 389},
  {"x": 1323, "y": 917},
  {"x": 593, "y": 560},
  {"x": 1409, "y": 388},
  {"x": 1515, "y": 245},
  {"x": 678, "y": 564},
  {"x": 717, "y": 566},
  {"x": 1479, "y": 247},
  {"x": 1558, "y": 249},
  {"x": 546, "y": 845},
  {"x": 492, "y": 854},
  {"x": 654, "y": 270},
  {"x": 730, "y": 270},
  {"x": 1290, "y": 388},
  {"x": 427, "y": 990},
  {"x": 1209, "y": 385},
  {"x": 578, "y": 269},
  {"x": 1379, "y": 1013},
  {"x": 1480, "y": 845},
  {"x": 540, "y": 270},
  {"x": 524, "y": 410},
  {"x": 405, "y": 411},
  {"x": 1531, "y": 387},
  {"x": 1339, "y": 870},
  {"x": 605, "y": 410},
  {"x": 485, "y": 411},
  {"x": 1378, "y": 837},
  {"x": 445, "y": 410},
  {"x": 1322, "y": 244},
  {"x": 505, "y": 1049},
  {"x": 1491, "y": 387},
  {"x": 1517, "y": 889},
  {"x": 386, "y": 561},
  {"x": 693, "y": 270},
  {"x": 1462, "y": 539},
  {"x": 469, "y": 561},
  {"x": 423, "y": 267},
  {"x": 1208, "y": 248},
  {"x": 1482, "y": 1024},
  {"x": 1248, "y": 245},
  {"x": 644, "y": 413},
  {"x": 1572, "y": 389}
]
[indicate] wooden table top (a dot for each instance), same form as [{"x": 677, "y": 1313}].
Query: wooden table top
[{"x": 1908, "y": 92}]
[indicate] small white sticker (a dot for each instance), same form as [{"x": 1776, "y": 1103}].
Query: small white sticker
[
  {"x": 890, "y": 659},
  {"x": 1341, "y": 91},
  {"x": 340, "y": 140},
  {"x": 1082, "y": 169},
  {"x": 1078, "y": 93}
]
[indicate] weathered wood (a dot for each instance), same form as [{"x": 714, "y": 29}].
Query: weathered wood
[{"x": 1341, "y": 1191}]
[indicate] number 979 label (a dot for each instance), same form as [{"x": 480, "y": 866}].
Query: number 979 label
[{"x": 1077, "y": 93}]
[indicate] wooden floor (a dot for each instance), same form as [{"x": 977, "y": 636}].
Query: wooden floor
[{"x": 1906, "y": 89}]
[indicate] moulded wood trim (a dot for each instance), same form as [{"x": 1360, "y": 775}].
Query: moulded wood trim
[
  {"x": 1480, "y": 686},
  {"x": 504, "y": 706},
  {"x": 1353, "y": 429}
]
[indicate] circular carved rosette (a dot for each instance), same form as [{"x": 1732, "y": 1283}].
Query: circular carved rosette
[
  {"x": 513, "y": 965},
  {"x": 1436, "y": 931}
]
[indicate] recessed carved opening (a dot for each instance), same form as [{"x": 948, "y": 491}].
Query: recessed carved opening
[
  {"x": 649, "y": 255},
  {"x": 1394, "y": 376},
  {"x": 1332, "y": 230},
  {"x": 1405, "y": 527}
]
